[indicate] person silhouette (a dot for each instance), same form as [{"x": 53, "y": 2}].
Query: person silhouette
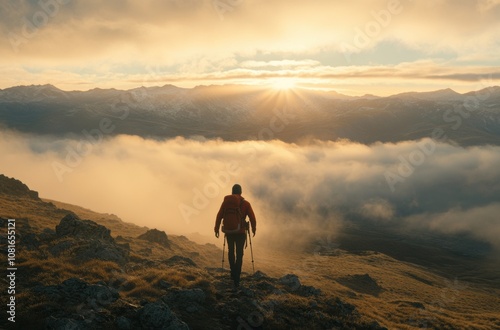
[{"x": 236, "y": 239}]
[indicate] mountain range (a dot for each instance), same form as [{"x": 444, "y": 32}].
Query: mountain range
[{"x": 238, "y": 112}]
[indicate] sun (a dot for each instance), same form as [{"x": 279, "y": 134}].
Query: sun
[{"x": 282, "y": 84}]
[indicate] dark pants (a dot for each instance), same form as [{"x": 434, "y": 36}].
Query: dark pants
[{"x": 237, "y": 240}]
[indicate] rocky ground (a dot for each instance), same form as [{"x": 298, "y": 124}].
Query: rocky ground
[
  {"x": 78, "y": 269},
  {"x": 178, "y": 294}
]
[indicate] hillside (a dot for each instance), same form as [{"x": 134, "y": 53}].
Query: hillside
[
  {"x": 236, "y": 113},
  {"x": 80, "y": 269},
  {"x": 78, "y": 273}
]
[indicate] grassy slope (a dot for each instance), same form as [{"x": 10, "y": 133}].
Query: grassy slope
[
  {"x": 398, "y": 294},
  {"x": 402, "y": 292}
]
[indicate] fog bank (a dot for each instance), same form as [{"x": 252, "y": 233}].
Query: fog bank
[{"x": 297, "y": 191}]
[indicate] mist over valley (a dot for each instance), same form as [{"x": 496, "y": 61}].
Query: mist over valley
[{"x": 403, "y": 175}]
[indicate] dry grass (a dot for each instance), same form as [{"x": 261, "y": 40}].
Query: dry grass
[
  {"x": 184, "y": 277},
  {"x": 411, "y": 296},
  {"x": 406, "y": 287},
  {"x": 140, "y": 289},
  {"x": 149, "y": 283},
  {"x": 204, "y": 255},
  {"x": 54, "y": 270},
  {"x": 40, "y": 214},
  {"x": 111, "y": 221}
]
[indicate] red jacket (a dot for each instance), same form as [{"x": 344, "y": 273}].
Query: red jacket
[{"x": 246, "y": 210}]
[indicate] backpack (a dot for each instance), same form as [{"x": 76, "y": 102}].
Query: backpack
[{"x": 233, "y": 220}]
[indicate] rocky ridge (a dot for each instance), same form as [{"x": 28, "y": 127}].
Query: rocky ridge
[
  {"x": 74, "y": 274},
  {"x": 178, "y": 295},
  {"x": 16, "y": 188}
]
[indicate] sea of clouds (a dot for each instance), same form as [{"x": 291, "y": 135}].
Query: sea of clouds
[{"x": 297, "y": 191}]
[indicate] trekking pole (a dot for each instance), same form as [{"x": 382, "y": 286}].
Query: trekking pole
[
  {"x": 251, "y": 250},
  {"x": 223, "y": 248}
]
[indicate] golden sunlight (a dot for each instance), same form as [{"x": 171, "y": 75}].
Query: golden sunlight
[{"x": 282, "y": 83}]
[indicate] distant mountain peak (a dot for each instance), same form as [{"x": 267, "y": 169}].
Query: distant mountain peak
[
  {"x": 370, "y": 96},
  {"x": 445, "y": 91},
  {"x": 29, "y": 93},
  {"x": 446, "y": 94},
  {"x": 50, "y": 86},
  {"x": 39, "y": 87}
]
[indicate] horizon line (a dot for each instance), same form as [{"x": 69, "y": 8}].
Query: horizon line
[{"x": 263, "y": 87}]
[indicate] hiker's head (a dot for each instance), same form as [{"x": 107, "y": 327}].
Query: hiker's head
[{"x": 236, "y": 189}]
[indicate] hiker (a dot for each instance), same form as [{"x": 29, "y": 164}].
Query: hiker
[{"x": 234, "y": 210}]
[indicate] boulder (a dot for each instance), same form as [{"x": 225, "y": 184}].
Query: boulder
[
  {"x": 264, "y": 286},
  {"x": 290, "y": 281},
  {"x": 308, "y": 291},
  {"x": 155, "y": 236},
  {"x": 103, "y": 251},
  {"x": 123, "y": 323},
  {"x": 14, "y": 187},
  {"x": 47, "y": 235},
  {"x": 71, "y": 225},
  {"x": 87, "y": 240},
  {"x": 84, "y": 250},
  {"x": 258, "y": 275},
  {"x": 62, "y": 246},
  {"x": 190, "y": 300},
  {"x": 340, "y": 308},
  {"x": 75, "y": 292},
  {"x": 157, "y": 315},
  {"x": 76, "y": 304}
]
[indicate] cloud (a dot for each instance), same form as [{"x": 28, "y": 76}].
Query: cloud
[
  {"x": 378, "y": 209},
  {"x": 487, "y": 5},
  {"x": 382, "y": 79},
  {"x": 188, "y": 26},
  {"x": 298, "y": 191},
  {"x": 481, "y": 221},
  {"x": 94, "y": 43}
]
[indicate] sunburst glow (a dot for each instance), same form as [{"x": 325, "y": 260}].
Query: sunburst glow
[{"x": 283, "y": 84}]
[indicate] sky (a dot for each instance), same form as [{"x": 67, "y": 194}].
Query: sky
[{"x": 379, "y": 47}]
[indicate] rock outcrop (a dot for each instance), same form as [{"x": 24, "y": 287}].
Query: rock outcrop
[
  {"x": 76, "y": 304},
  {"x": 191, "y": 300},
  {"x": 263, "y": 302},
  {"x": 87, "y": 240},
  {"x": 71, "y": 225},
  {"x": 152, "y": 287},
  {"x": 13, "y": 187},
  {"x": 156, "y": 236},
  {"x": 158, "y": 315}
]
